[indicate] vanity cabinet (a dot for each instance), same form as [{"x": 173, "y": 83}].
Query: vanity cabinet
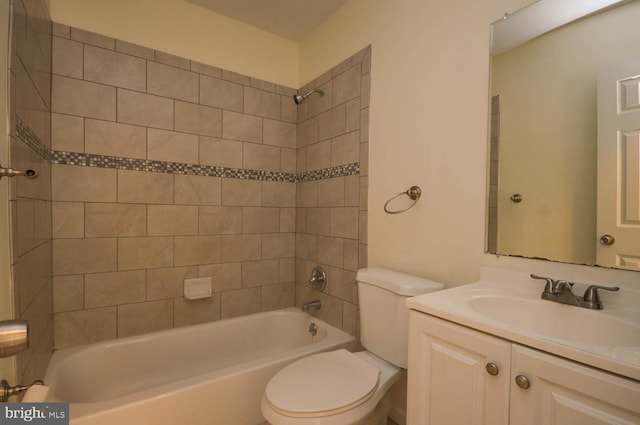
[{"x": 460, "y": 376}]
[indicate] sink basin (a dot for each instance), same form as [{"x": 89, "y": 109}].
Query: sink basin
[{"x": 563, "y": 323}]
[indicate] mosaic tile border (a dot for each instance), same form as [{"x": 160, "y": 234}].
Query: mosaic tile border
[{"x": 121, "y": 163}]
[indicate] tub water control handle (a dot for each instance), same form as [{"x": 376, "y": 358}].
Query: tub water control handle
[{"x": 14, "y": 337}]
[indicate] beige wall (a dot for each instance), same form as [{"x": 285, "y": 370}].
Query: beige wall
[{"x": 184, "y": 29}]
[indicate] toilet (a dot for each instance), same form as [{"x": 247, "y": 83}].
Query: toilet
[{"x": 344, "y": 388}]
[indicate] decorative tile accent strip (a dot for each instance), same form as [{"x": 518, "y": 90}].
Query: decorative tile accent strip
[
  {"x": 28, "y": 136},
  {"x": 104, "y": 161}
]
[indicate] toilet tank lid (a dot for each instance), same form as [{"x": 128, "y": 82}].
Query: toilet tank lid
[{"x": 396, "y": 282}]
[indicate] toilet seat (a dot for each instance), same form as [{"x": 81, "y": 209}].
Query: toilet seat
[{"x": 322, "y": 384}]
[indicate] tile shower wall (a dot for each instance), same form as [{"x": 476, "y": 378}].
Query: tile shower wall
[
  {"x": 166, "y": 169},
  {"x": 331, "y": 219},
  {"x": 30, "y": 200}
]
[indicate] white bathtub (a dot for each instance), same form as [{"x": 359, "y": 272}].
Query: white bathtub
[{"x": 211, "y": 374}]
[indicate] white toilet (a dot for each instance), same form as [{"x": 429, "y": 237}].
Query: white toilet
[{"x": 343, "y": 388}]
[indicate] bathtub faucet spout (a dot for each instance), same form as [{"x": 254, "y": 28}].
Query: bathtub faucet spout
[{"x": 312, "y": 305}]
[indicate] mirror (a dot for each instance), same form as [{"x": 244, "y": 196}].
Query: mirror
[{"x": 564, "y": 172}]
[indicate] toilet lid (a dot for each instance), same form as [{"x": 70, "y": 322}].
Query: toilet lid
[{"x": 324, "y": 383}]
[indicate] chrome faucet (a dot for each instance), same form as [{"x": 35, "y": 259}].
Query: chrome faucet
[
  {"x": 312, "y": 305},
  {"x": 560, "y": 292}
]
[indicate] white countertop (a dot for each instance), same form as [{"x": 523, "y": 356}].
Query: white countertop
[{"x": 608, "y": 339}]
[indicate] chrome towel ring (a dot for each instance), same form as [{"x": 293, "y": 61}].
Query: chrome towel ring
[{"x": 413, "y": 192}]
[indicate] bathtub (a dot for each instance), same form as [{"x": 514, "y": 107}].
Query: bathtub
[{"x": 212, "y": 374}]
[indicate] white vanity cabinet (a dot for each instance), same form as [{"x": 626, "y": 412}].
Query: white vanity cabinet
[{"x": 451, "y": 384}]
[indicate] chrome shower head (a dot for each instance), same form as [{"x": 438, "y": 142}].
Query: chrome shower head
[{"x": 301, "y": 98}]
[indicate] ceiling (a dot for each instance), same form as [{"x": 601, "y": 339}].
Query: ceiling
[{"x": 292, "y": 19}]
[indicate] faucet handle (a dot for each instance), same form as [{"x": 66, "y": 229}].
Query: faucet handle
[
  {"x": 549, "y": 287},
  {"x": 592, "y": 297}
]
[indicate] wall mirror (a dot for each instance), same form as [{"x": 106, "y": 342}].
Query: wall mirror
[{"x": 564, "y": 171}]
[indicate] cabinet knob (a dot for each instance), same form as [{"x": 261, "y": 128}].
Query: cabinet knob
[
  {"x": 492, "y": 369},
  {"x": 523, "y": 382}
]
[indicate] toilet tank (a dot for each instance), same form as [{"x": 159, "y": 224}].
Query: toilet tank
[{"x": 384, "y": 316}]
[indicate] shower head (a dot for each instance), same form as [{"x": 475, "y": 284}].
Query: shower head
[{"x": 301, "y": 98}]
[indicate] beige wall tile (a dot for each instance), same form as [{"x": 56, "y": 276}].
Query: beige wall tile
[
  {"x": 363, "y": 227},
  {"x": 221, "y": 94},
  {"x": 220, "y": 152},
  {"x": 112, "y": 220},
  {"x": 60, "y": 30},
  {"x": 66, "y": 58},
  {"x": 68, "y": 293},
  {"x": 350, "y": 254},
  {"x": 67, "y": 133},
  {"x": 332, "y": 123},
  {"x": 352, "y": 190},
  {"x": 197, "y": 190},
  {"x": 346, "y": 86},
  {"x": 350, "y": 319},
  {"x": 108, "y": 289},
  {"x": 275, "y": 297},
  {"x": 344, "y": 222},
  {"x": 224, "y": 276},
  {"x": 260, "y": 220},
  {"x": 236, "y": 126},
  {"x": 259, "y": 273},
  {"x": 280, "y": 133},
  {"x": 278, "y": 194},
  {"x": 166, "y": 220},
  {"x": 71, "y": 183},
  {"x": 263, "y": 85},
  {"x": 135, "y": 50},
  {"x": 191, "y": 312},
  {"x": 236, "y": 77},
  {"x": 171, "y": 146},
  {"x": 168, "y": 282},
  {"x": 363, "y": 260},
  {"x": 306, "y": 246},
  {"x": 239, "y": 302},
  {"x": 318, "y": 104},
  {"x": 301, "y": 160},
  {"x": 345, "y": 149},
  {"x": 84, "y": 327},
  {"x": 220, "y": 220},
  {"x": 239, "y": 192},
  {"x": 261, "y": 157},
  {"x": 343, "y": 284},
  {"x": 140, "y": 318},
  {"x": 115, "y": 69},
  {"x": 319, "y": 155},
  {"x": 77, "y": 256},
  {"x": 169, "y": 59},
  {"x": 114, "y": 139},
  {"x": 194, "y": 250},
  {"x": 307, "y": 194},
  {"x": 331, "y": 192},
  {"x": 331, "y": 311},
  {"x": 145, "y": 253},
  {"x": 364, "y": 159},
  {"x": 288, "y": 160},
  {"x": 365, "y": 98},
  {"x": 288, "y": 220},
  {"x": 261, "y": 103},
  {"x": 198, "y": 119},
  {"x": 83, "y": 98},
  {"x": 172, "y": 82},
  {"x": 278, "y": 245},
  {"x": 364, "y": 193},
  {"x": 286, "y": 270},
  {"x": 145, "y": 187},
  {"x": 92, "y": 38},
  {"x": 308, "y": 132},
  {"x": 240, "y": 247},
  {"x": 364, "y": 125},
  {"x": 288, "y": 109},
  {"x": 205, "y": 69},
  {"x": 145, "y": 109},
  {"x": 330, "y": 251},
  {"x": 353, "y": 115},
  {"x": 67, "y": 219}
]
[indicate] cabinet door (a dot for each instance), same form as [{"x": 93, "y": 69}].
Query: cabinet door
[
  {"x": 564, "y": 392},
  {"x": 448, "y": 381}
]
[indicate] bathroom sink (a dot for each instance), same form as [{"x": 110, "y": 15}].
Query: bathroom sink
[
  {"x": 563, "y": 323},
  {"x": 508, "y": 305}
]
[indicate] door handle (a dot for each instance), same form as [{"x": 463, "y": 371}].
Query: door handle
[{"x": 607, "y": 240}]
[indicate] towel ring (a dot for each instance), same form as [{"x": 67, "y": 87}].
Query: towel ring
[{"x": 413, "y": 192}]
